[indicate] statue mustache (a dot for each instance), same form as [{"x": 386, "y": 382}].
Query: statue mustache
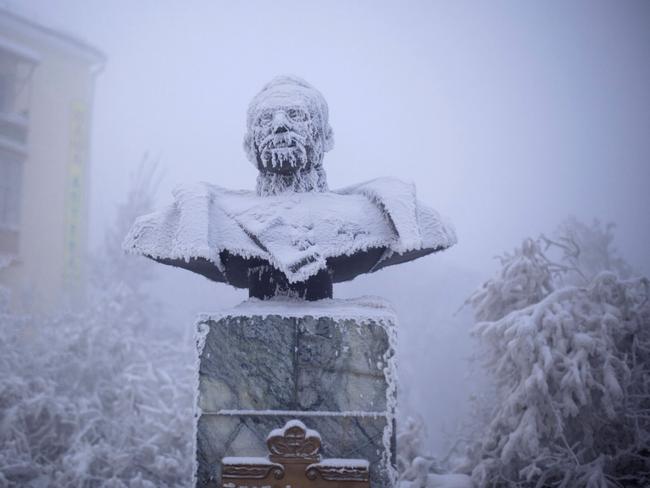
[{"x": 283, "y": 138}]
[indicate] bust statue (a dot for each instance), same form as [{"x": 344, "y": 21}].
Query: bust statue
[
  {"x": 292, "y": 236},
  {"x": 287, "y": 135}
]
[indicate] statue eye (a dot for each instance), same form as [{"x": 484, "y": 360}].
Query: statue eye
[
  {"x": 297, "y": 114},
  {"x": 266, "y": 118}
]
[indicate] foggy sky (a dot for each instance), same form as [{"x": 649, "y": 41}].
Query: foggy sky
[{"x": 509, "y": 116}]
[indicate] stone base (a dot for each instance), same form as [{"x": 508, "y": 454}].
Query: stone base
[{"x": 328, "y": 363}]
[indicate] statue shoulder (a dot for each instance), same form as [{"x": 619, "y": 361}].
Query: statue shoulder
[
  {"x": 397, "y": 200},
  {"x": 195, "y": 225},
  {"x": 417, "y": 226}
]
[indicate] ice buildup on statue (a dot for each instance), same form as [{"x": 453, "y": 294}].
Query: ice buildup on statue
[
  {"x": 266, "y": 363},
  {"x": 292, "y": 236}
]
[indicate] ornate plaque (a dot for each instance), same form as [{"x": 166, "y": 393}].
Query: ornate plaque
[{"x": 294, "y": 462}]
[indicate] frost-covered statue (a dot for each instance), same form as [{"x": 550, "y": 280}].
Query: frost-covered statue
[
  {"x": 287, "y": 136},
  {"x": 293, "y": 236}
]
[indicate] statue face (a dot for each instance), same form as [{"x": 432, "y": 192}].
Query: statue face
[{"x": 285, "y": 137}]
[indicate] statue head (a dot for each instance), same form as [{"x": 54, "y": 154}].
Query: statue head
[{"x": 287, "y": 136}]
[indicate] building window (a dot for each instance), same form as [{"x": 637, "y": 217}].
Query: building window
[
  {"x": 15, "y": 83},
  {"x": 4, "y": 92},
  {"x": 7, "y": 82},
  {"x": 11, "y": 169}
]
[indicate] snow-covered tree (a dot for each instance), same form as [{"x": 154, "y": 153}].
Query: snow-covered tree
[
  {"x": 125, "y": 277},
  {"x": 582, "y": 251},
  {"x": 524, "y": 279},
  {"x": 570, "y": 363}
]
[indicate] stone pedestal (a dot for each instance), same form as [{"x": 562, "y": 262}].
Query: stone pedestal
[{"x": 330, "y": 364}]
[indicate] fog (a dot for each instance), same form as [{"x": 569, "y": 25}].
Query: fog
[{"x": 508, "y": 116}]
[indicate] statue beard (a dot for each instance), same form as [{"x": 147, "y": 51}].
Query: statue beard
[
  {"x": 289, "y": 162},
  {"x": 283, "y": 153}
]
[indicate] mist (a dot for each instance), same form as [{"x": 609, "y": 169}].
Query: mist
[{"x": 508, "y": 116}]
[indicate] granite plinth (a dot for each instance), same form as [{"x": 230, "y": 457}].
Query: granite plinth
[{"x": 329, "y": 364}]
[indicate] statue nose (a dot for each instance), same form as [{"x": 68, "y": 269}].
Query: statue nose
[{"x": 280, "y": 123}]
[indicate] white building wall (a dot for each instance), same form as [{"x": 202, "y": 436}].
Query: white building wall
[{"x": 48, "y": 268}]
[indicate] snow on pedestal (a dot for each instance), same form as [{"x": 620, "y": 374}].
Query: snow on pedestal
[{"x": 330, "y": 364}]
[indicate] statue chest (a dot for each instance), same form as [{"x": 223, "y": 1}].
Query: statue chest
[{"x": 320, "y": 224}]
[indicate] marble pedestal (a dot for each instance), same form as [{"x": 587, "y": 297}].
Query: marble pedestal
[{"x": 330, "y": 364}]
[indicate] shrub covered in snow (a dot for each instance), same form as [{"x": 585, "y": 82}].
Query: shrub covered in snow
[
  {"x": 416, "y": 467},
  {"x": 86, "y": 401},
  {"x": 567, "y": 343},
  {"x": 411, "y": 433}
]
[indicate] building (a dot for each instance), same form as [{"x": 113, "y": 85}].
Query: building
[{"x": 47, "y": 81}]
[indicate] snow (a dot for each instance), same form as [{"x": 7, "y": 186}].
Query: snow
[
  {"x": 396, "y": 199},
  {"x": 419, "y": 475},
  {"x": 200, "y": 335},
  {"x": 390, "y": 373},
  {"x": 296, "y": 413},
  {"x": 343, "y": 463},
  {"x": 433, "y": 480},
  {"x": 361, "y": 309},
  {"x": 247, "y": 460},
  {"x": 295, "y": 232},
  {"x": 92, "y": 397},
  {"x": 291, "y": 424},
  {"x": 330, "y": 463}
]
